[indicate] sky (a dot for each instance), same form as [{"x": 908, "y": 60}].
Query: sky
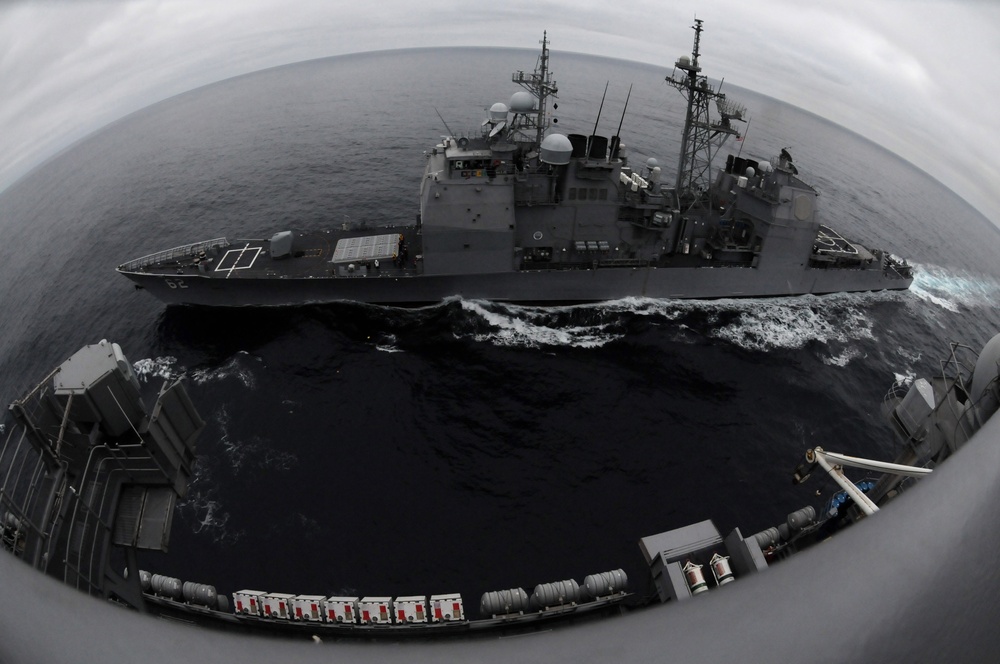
[{"x": 919, "y": 77}]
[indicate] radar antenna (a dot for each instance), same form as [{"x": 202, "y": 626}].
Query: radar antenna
[
  {"x": 443, "y": 122},
  {"x": 540, "y": 84},
  {"x": 702, "y": 138},
  {"x": 616, "y": 140},
  {"x": 590, "y": 139}
]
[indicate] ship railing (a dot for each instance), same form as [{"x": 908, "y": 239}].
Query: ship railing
[
  {"x": 956, "y": 373},
  {"x": 898, "y": 267},
  {"x": 173, "y": 254},
  {"x": 953, "y": 397}
]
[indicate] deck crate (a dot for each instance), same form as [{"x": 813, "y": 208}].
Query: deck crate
[
  {"x": 277, "y": 605},
  {"x": 375, "y": 610},
  {"x": 341, "y": 609},
  {"x": 410, "y": 609},
  {"x": 248, "y": 602},
  {"x": 308, "y": 607},
  {"x": 447, "y": 607}
]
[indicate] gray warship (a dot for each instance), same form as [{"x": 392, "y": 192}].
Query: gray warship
[{"x": 520, "y": 213}]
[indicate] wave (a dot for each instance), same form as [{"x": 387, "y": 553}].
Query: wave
[
  {"x": 791, "y": 323},
  {"x": 166, "y": 368},
  {"x": 202, "y": 508},
  {"x": 762, "y": 324},
  {"x": 388, "y": 349},
  {"x": 387, "y": 343},
  {"x": 532, "y": 327},
  {"x": 203, "y": 511},
  {"x": 233, "y": 367},
  {"x": 207, "y": 516},
  {"x": 249, "y": 454},
  {"x": 910, "y": 355},
  {"x": 160, "y": 367},
  {"x": 844, "y": 358},
  {"x": 953, "y": 289}
]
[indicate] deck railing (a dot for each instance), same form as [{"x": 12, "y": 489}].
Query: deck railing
[{"x": 171, "y": 254}]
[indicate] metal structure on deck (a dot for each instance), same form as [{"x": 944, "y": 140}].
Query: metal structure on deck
[
  {"x": 88, "y": 477},
  {"x": 702, "y": 138},
  {"x": 540, "y": 85}
]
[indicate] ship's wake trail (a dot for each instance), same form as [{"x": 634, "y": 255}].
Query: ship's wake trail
[
  {"x": 238, "y": 366},
  {"x": 762, "y": 325},
  {"x": 534, "y": 327},
  {"x": 954, "y": 289},
  {"x": 166, "y": 368},
  {"x": 765, "y": 324},
  {"x": 158, "y": 367},
  {"x": 837, "y": 322}
]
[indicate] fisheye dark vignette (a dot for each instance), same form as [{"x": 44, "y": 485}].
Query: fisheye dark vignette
[{"x": 621, "y": 335}]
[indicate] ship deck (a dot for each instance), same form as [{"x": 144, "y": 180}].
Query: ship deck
[
  {"x": 832, "y": 243},
  {"x": 313, "y": 254}
]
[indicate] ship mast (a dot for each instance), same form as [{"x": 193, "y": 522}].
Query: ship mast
[
  {"x": 540, "y": 84},
  {"x": 701, "y": 139}
]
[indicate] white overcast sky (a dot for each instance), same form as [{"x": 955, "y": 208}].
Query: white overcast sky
[{"x": 920, "y": 77}]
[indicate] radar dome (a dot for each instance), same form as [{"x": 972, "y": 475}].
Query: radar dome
[
  {"x": 498, "y": 111},
  {"x": 556, "y": 149},
  {"x": 750, "y": 172},
  {"x": 684, "y": 60},
  {"x": 651, "y": 163},
  {"x": 522, "y": 102}
]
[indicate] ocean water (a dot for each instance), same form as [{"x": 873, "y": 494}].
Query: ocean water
[{"x": 468, "y": 446}]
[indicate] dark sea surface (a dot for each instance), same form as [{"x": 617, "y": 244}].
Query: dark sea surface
[{"x": 468, "y": 446}]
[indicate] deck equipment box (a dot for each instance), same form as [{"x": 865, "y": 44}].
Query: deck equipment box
[
  {"x": 375, "y": 610},
  {"x": 277, "y": 605},
  {"x": 248, "y": 602},
  {"x": 308, "y": 607},
  {"x": 341, "y": 609},
  {"x": 411, "y": 609},
  {"x": 447, "y": 607}
]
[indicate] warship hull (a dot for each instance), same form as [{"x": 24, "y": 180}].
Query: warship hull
[{"x": 540, "y": 287}]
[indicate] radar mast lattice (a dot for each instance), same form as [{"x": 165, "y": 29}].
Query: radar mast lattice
[
  {"x": 540, "y": 84},
  {"x": 702, "y": 138}
]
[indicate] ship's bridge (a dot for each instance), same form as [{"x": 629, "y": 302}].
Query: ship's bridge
[{"x": 468, "y": 159}]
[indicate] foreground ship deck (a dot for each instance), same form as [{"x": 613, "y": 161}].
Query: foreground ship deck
[
  {"x": 523, "y": 214},
  {"x": 89, "y": 477}
]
